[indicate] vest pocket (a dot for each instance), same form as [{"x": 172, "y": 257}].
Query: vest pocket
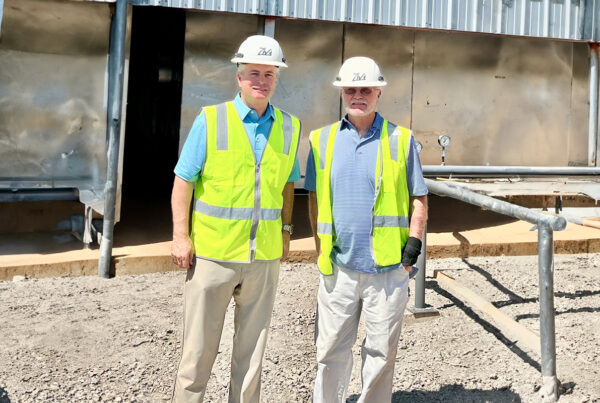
[
  {"x": 232, "y": 169},
  {"x": 274, "y": 169}
]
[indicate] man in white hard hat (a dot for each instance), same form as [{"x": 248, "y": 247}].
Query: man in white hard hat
[
  {"x": 239, "y": 163},
  {"x": 368, "y": 208}
]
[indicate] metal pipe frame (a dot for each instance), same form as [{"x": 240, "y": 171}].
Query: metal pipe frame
[
  {"x": 116, "y": 64},
  {"x": 483, "y": 170},
  {"x": 546, "y": 226},
  {"x": 549, "y": 389},
  {"x": 1, "y": 12},
  {"x": 34, "y": 195},
  {"x": 420, "y": 277},
  {"x": 498, "y": 206},
  {"x": 593, "y": 110}
]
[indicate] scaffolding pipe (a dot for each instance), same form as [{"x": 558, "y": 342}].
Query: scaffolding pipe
[
  {"x": 549, "y": 390},
  {"x": 34, "y": 195},
  {"x": 593, "y": 111},
  {"x": 1, "y": 11},
  {"x": 498, "y": 206},
  {"x": 546, "y": 225},
  {"x": 500, "y": 171},
  {"x": 420, "y": 276},
  {"x": 116, "y": 61}
]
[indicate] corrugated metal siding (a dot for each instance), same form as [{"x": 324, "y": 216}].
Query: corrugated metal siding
[{"x": 561, "y": 19}]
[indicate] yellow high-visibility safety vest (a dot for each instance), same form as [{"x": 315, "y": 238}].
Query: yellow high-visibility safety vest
[
  {"x": 389, "y": 230},
  {"x": 238, "y": 200}
]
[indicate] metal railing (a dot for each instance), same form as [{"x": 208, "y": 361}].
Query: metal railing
[
  {"x": 546, "y": 225},
  {"x": 503, "y": 171},
  {"x": 116, "y": 62}
]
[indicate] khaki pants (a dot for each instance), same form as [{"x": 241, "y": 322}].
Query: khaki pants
[
  {"x": 208, "y": 289},
  {"x": 341, "y": 299}
]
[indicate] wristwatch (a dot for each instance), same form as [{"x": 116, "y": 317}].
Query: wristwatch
[{"x": 288, "y": 227}]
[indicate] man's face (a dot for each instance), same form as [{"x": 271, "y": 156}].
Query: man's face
[
  {"x": 257, "y": 81},
  {"x": 360, "y": 101}
]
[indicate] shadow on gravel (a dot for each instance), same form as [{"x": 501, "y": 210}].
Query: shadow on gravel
[
  {"x": 514, "y": 298},
  {"x": 452, "y": 393},
  {"x": 433, "y": 285},
  {"x": 517, "y": 299},
  {"x": 575, "y": 310},
  {"x": 4, "y": 396}
]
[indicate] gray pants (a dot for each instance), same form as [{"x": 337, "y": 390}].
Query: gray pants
[
  {"x": 341, "y": 299},
  {"x": 208, "y": 289}
]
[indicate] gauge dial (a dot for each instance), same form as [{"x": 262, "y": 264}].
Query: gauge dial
[{"x": 444, "y": 140}]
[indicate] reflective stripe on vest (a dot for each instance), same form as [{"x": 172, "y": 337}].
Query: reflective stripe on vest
[
  {"x": 238, "y": 200},
  {"x": 391, "y": 208},
  {"x": 235, "y": 213}
]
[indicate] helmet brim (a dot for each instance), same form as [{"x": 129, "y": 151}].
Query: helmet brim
[
  {"x": 245, "y": 60},
  {"x": 360, "y": 84}
]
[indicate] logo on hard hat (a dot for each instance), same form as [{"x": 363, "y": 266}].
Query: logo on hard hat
[
  {"x": 359, "y": 77},
  {"x": 264, "y": 52}
]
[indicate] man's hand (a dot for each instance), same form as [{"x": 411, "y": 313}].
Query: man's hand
[
  {"x": 286, "y": 244},
  {"x": 407, "y": 268},
  {"x": 182, "y": 251},
  {"x": 410, "y": 252}
]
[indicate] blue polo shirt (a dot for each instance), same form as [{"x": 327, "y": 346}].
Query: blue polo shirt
[
  {"x": 192, "y": 157},
  {"x": 353, "y": 192}
]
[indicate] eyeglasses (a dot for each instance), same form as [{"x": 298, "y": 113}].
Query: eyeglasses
[{"x": 364, "y": 91}]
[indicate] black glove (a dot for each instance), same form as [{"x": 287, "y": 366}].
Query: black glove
[{"x": 411, "y": 251}]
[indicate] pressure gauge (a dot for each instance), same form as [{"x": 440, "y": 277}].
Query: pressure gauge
[
  {"x": 444, "y": 140},
  {"x": 418, "y": 146}
]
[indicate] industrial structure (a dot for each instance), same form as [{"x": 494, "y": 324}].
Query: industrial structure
[
  {"x": 95, "y": 94},
  {"x": 511, "y": 83}
]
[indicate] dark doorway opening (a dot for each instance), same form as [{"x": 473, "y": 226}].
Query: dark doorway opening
[{"x": 152, "y": 124}]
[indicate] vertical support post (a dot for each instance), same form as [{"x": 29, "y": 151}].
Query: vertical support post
[
  {"x": 116, "y": 61},
  {"x": 260, "y": 28},
  {"x": 1, "y": 10},
  {"x": 266, "y": 26},
  {"x": 420, "y": 277},
  {"x": 270, "y": 27},
  {"x": 549, "y": 389},
  {"x": 593, "y": 109}
]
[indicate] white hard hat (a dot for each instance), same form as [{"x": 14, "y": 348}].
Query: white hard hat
[
  {"x": 359, "y": 72},
  {"x": 260, "y": 49}
]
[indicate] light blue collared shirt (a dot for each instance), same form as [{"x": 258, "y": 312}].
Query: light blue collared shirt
[
  {"x": 353, "y": 192},
  {"x": 193, "y": 154}
]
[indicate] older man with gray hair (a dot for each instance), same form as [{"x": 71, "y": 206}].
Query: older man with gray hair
[{"x": 368, "y": 208}]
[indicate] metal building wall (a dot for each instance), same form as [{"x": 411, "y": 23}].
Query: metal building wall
[
  {"x": 564, "y": 19},
  {"x": 504, "y": 101},
  {"x": 53, "y": 57},
  {"x": 304, "y": 88},
  {"x": 208, "y": 76}
]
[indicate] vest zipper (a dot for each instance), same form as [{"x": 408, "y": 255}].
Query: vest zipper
[{"x": 257, "y": 182}]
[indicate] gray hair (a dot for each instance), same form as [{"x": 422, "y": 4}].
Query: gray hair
[{"x": 242, "y": 66}]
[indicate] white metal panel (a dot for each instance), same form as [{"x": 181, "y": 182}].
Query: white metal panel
[{"x": 561, "y": 19}]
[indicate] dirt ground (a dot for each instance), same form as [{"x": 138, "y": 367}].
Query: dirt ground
[{"x": 92, "y": 339}]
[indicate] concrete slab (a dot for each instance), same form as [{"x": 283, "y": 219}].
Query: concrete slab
[{"x": 59, "y": 254}]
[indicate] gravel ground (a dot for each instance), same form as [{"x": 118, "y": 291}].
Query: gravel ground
[{"x": 91, "y": 339}]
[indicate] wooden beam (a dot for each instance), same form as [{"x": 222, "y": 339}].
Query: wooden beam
[{"x": 523, "y": 336}]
